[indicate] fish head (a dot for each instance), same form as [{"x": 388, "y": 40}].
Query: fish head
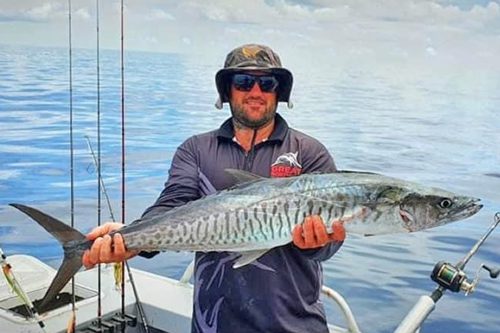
[{"x": 419, "y": 211}]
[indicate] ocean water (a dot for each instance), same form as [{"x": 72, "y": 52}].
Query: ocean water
[{"x": 438, "y": 128}]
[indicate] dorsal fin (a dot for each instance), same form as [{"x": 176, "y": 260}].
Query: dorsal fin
[
  {"x": 242, "y": 177},
  {"x": 358, "y": 172}
]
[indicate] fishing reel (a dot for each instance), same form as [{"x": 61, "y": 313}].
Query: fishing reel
[{"x": 453, "y": 278}]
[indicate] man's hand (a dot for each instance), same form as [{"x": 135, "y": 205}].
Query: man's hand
[
  {"x": 106, "y": 249},
  {"x": 312, "y": 233}
]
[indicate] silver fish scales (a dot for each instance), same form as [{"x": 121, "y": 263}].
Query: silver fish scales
[{"x": 260, "y": 213}]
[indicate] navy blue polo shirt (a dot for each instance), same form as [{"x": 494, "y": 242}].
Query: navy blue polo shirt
[{"x": 280, "y": 291}]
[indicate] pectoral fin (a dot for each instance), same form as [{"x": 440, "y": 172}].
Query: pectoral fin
[
  {"x": 248, "y": 256},
  {"x": 240, "y": 177}
]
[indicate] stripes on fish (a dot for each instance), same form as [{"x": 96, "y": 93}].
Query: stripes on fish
[{"x": 253, "y": 217}]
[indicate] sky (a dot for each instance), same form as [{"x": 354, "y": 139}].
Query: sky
[{"x": 435, "y": 32}]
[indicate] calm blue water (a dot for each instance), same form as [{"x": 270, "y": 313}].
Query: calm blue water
[{"x": 437, "y": 128}]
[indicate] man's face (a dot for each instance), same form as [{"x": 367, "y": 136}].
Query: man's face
[{"x": 250, "y": 105}]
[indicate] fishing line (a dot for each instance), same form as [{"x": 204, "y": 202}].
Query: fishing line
[
  {"x": 72, "y": 322},
  {"x": 98, "y": 85},
  {"x": 140, "y": 309},
  {"x": 103, "y": 186}
]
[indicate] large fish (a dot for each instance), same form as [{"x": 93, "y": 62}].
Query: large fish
[{"x": 258, "y": 214}]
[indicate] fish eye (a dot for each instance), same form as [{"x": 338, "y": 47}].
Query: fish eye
[{"x": 445, "y": 203}]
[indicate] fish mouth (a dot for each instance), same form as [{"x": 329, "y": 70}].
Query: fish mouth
[{"x": 470, "y": 208}]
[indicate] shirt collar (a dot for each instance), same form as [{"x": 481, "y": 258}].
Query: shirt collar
[{"x": 226, "y": 130}]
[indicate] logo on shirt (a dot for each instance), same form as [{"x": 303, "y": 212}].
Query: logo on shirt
[{"x": 286, "y": 165}]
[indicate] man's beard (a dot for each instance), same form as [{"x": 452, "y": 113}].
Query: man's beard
[{"x": 240, "y": 118}]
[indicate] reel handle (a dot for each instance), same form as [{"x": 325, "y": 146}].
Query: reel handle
[{"x": 493, "y": 272}]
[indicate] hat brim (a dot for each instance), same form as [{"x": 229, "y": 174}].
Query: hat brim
[{"x": 284, "y": 76}]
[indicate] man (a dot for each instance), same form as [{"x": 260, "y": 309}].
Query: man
[{"x": 278, "y": 292}]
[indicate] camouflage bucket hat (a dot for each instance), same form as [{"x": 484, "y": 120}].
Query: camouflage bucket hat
[{"x": 253, "y": 57}]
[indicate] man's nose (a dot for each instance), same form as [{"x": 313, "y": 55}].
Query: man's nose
[{"x": 255, "y": 89}]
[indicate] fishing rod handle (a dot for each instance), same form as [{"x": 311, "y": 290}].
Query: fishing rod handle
[{"x": 417, "y": 315}]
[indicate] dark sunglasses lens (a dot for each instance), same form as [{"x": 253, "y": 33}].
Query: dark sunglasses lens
[
  {"x": 243, "y": 82},
  {"x": 268, "y": 83}
]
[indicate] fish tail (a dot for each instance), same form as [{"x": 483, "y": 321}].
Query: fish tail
[{"x": 73, "y": 243}]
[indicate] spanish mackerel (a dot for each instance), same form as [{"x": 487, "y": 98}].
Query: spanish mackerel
[{"x": 259, "y": 214}]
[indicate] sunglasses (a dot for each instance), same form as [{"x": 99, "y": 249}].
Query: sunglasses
[{"x": 245, "y": 82}]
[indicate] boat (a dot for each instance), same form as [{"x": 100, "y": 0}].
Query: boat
[{"x": 168, "y": 312}]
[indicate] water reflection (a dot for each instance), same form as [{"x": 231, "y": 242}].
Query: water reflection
[{"x": 423, "y": 128}]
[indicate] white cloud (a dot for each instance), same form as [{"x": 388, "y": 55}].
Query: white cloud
[
  {"x": 217, "y": 14},
  {"x": 82, "y": 13},
  {"x": 430, "y": 51},
  {"x": 256, "y": 11},
  {"x": 388, "y": 10},
  {"x": 354, "y": 31},
  {"x": 31, "y": 13},
  {"x": 159, "y": 14},
  {"x": 488, "y": 13},
  {"x": 44, "y": 12},
  {"x": 151, "y": 39}
]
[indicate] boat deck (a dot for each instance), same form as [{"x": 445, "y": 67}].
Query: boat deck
[{"x": 167, "y": 303}]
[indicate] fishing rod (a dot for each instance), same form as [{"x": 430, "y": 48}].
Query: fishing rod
[
  {"x": 72, "y": 321},
  {"x": 122, "y": 74},
  {"x": 102, "y": 188},
  {"x": 448, "y": 277},
  {"x": 98, "y": 161},
  {"x": 16, "y": 287},
  {"x": 140, "y": 308}
]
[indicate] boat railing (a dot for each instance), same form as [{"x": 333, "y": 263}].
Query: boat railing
[{"x": 352, "y": 325}]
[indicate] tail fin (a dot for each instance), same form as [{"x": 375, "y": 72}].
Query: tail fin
[{"x": 73, "y": 243}]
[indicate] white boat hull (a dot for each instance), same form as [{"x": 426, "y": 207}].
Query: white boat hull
[{"x": 167, "y": 303}]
